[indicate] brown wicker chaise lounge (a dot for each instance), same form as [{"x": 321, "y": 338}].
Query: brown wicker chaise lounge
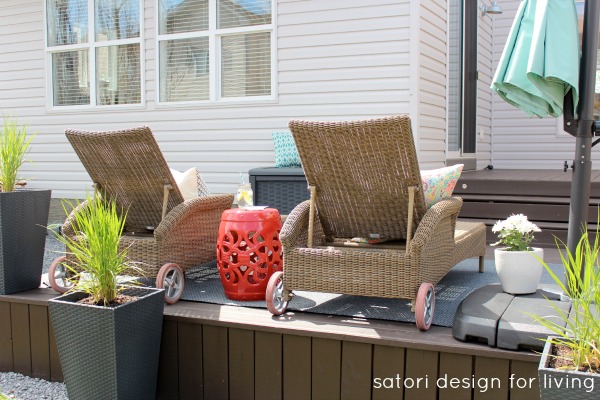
[
  {"x": 166, "y": 234},
  {"x": 364, "y": 179}
]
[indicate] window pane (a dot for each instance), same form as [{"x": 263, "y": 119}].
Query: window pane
[
  {"x": 70, "y": 78},
  {"x": 184, "y": 70},
  {"x": 176, "y": 16},
  {"x": 67, "y": 22},
  {"x": 246, "y": 65},
  {"x": 118, "y": 74},
  {"x": 117, "y": 19},
  {"x": 234, "y": 13}
]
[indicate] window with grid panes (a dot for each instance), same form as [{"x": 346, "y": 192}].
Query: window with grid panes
[
  {"x": 212, "y": 50},
  {"x": 94, "y": 52}
]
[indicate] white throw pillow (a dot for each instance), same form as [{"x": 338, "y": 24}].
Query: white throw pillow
[{"x": 190, "y": 183}]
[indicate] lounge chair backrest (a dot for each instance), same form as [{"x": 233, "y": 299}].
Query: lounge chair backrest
[
  {"x": 129, "y": 167},
  {"x": 361, "y": 171}
]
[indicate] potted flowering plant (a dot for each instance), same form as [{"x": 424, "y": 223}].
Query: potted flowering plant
[{"x": 517, "y": 263}]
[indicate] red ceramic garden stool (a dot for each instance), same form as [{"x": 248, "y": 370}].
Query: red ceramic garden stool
[{"x": 248, "y": 251}]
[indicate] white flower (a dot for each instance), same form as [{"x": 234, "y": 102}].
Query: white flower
[{"x": 515, "y": 232}]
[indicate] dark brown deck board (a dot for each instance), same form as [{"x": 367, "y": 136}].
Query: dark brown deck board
[
  {"x": 326, "y": 369},
  {"x": 56, "y": 374},
  {"x": 526, "y": 384},
  {"x": 388, "y": 363},
  {"x": 189, "y": 347},
  {"x": 522, "y": 182},
  {"x": 241, "y": 364},
  {"x": 421, "y": 374},
  {"x": 215, "y": 360},
  {"x": 296, "y": 367},
  {"x": 40, "y": 343},
  {"x": 6, "y": 351},
  {"x": 356, "y": 370},
  {"x": 19, "y": 314},
  {"x": 168, "y": 369},
  {"x": 486, "y": 370},
  {"x": 268, "y": 366},
  {"x": 454, "y": 366}
]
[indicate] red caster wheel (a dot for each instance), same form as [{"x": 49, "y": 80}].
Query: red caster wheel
[
  {"x": 276, "y": 295},
  {"x": 58, "y": 275},
  {"x": 170, "y": 278},
  {"x": 425, "y": 305}
]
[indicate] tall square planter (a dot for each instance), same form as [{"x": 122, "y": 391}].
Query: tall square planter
[
  {"x": 109, "y": 352},
  {"x": 558, "y": 384},
  {"x": 23, "y": 220}
]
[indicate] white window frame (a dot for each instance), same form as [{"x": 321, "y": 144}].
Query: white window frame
[
  {"x": 91, "y": 47},
  {"x": 214, "y": 44}
]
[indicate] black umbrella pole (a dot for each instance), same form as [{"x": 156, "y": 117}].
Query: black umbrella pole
[{"x": 582, "y": 171}]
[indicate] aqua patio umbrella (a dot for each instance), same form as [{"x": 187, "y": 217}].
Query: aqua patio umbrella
[{"x": 540, "y": 61}]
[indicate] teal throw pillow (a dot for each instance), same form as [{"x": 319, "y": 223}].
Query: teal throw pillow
[{"x": 286, "y": 154}]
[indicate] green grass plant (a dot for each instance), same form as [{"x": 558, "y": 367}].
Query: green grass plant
[
  {"x": 94, "y": 251},
  {"x": 3, "y": 396},
  {"x": 14, "y": 145},
  {"x": 581, "y": 335}
]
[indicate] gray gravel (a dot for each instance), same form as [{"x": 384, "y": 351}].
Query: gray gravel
[{"x": 17, "y": 386}]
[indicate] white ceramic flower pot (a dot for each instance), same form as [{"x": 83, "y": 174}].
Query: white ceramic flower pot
[{"x": 519, "y": 271}]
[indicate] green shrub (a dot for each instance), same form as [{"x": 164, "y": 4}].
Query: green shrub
[
  {"x": 14, "y": 145},
  {"x": 582, "y": 332},
  {"x": 94, "y": 251}
]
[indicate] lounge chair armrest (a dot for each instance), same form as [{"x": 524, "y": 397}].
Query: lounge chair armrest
[
  {"x": 444, "y": 211},
  {"x": 294, "y": 232},
  {"x": 295, "y": 225},
  {"x": 68, "y": 228},
  {"x": 200, "y": 207}
]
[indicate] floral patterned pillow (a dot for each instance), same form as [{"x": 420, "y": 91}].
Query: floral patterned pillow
[
  {"x": 286, "y": 154},
  {"x": 439, "y": 183}
]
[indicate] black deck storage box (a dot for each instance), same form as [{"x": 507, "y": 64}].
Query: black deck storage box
[{"x": 280, "y": 188}]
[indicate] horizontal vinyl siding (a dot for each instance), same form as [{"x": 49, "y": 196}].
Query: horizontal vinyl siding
[
  {"x": 484, "y": 93},
  {"x": 336, "y": 60},
  {"x": 520, "y": 141},
  {"x": 432, "y": 84}
]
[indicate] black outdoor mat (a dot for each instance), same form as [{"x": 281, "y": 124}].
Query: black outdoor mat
[{"x": 202, "y": 284}]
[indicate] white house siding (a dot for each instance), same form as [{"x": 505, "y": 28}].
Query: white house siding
[
  {"x": 484, "y": 94},
  {"x": 519, "y": 141},
  {"x": 337, "y": 60},
  {"x": 432, "y": 83}
]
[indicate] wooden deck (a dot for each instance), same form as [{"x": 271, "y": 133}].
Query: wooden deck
[
  {"x": 222, "y": 352},
  {"x": 542, "y": 195}
]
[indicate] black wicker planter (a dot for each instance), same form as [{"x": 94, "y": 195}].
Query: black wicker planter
[
  {"x": 109, "y": 353},
  {"x": 561, "y": 384},
  {"x": 23, "y": 220}
]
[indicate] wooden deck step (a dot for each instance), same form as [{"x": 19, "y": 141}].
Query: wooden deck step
[{"x": 542, "y": 195}]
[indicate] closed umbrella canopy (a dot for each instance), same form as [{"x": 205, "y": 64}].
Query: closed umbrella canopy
[{"x": 540, "y": 62}]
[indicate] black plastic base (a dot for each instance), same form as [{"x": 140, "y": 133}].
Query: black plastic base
[{"x": 500, "y": 319}]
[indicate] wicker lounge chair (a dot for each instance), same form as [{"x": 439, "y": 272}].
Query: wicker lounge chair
[
  {"x": 364, "y": 179},
  {"x": 165, "y": 233}
]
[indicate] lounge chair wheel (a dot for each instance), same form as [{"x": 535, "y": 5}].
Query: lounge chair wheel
[
  {"x": 425, "y": 305},
  {"x": 58, "y": 275},
  {"x": 275, "y": 295},
  {"x": 170, "y": 278}
]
